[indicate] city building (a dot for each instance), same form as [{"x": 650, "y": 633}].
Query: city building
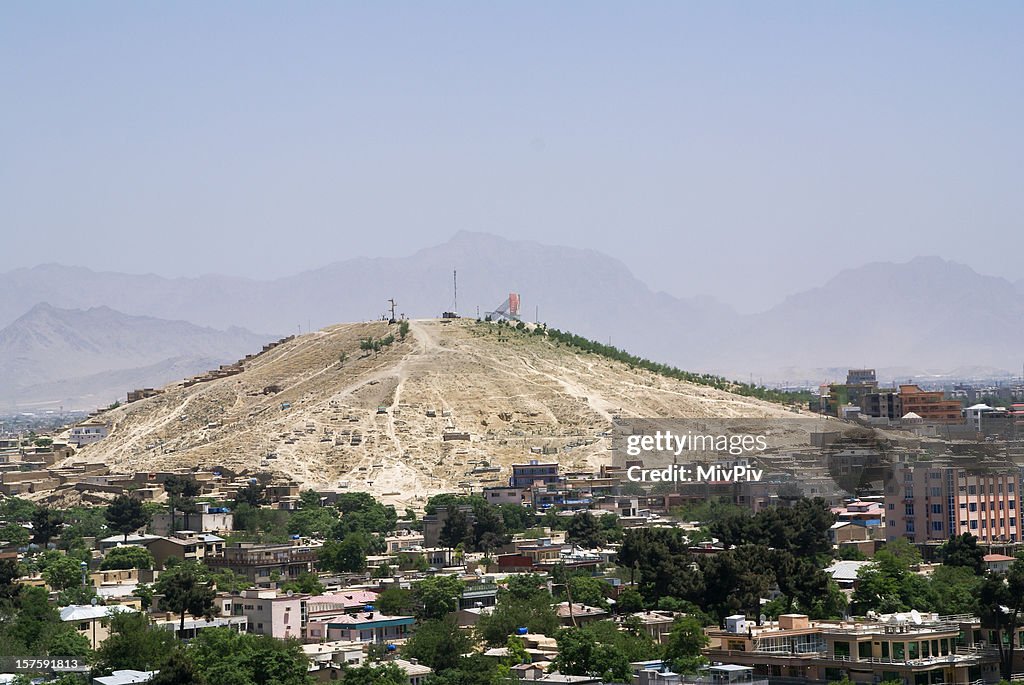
[
  {"x": 934, "y": 501},
  {"x": 88, "y": 432},
  {"x": 930, "y": 405},
  {"x": 92, "y": 622},
  {"x": 186, "y": 546},
  {"x": 263, "y": 563},
  {"x": 269, "y": 612},
  {"x": 909, "y": 648},
  {"x": 533, "y": 472},
  {"x": 208, "y": 519},
  {"x": 370, "y": 626}
]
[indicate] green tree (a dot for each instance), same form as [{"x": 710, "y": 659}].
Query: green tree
[
  {"x": 78, "y": 594},
  {"x": 438, "y": 643},
  {"x": 731, "y": 582},
  {"x": 62, "y": 572},
  {"x": 456, "y": 529},
  {"x": 186, "y": 591},
  {"x": 181, "y": 493},
  {"x": 178, "y": 670},
  {"x": 523, "y": 604},
  {"x": 375, "y": 674},
  {"x": 83, "y": 522},
  {"x": 46, "y": 525},
  {"x": 225, "y": 657},
  {"x": 963, "y": 551},
  {"x": 1001, "y": 604},
  {"x": 17, "y": 510},
  {"x": 685, "y": 642},
  {"x": 904, "y": 551},
  {"x": 954, "y": 590},
  {"x": 584, "y": 531},
  {"x": 437, "y": 596},
  {"x": 261, "y": 524},
  {"x": 10, "y": 571},
  {"x": 396, "y": 601},
  {"x": 346, "y": 556},
  {"x": 34, "y": 627},
  {"x": 581, "y": 652},
  {"x": 362, "y": 513},
  {"x": 127, "y": 556},
  {"x": 126, "y": 514},
  {"x": 630, "y": 601},
  {"x": 586, "y": 589},
  {"x": 313, "y": 521},
  {"x": 254, "y": 494},
  {"x": 305, "y": 583},
  {"x": 888, "y": 586},
  {"x": 66, "y": 641},
  {"x": 15, "y": 534}
]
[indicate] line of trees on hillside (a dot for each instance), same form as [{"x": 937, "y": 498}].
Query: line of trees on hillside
[{"x": 711, "y": 380}]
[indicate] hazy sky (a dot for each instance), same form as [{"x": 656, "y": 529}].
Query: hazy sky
[{"x": 743, "y": 150}]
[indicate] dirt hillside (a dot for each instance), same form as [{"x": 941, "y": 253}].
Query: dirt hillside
[{"x": 320, "y": 409}]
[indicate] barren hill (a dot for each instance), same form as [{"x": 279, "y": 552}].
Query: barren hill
[{"x": 454, "y": 403}]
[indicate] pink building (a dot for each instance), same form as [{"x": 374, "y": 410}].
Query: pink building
[
  {"x": 270, "y": 613},
  {"x": 930, "y": 502}
]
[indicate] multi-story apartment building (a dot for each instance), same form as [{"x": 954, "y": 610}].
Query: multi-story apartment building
[
  {"x": 262, "y": 563},
  {"x": 930, "y": 405},
  {"x": 268, "y": 612},
  {"x": 921, "y": 650},
  {"x": 933, "y": 501},
  {"x": 526, "y": 475}
]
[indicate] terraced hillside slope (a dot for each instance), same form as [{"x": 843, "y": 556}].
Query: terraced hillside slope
[{"x": 453, "y": 403}]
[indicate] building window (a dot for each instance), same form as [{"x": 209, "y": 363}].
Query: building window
[
  {"x": 936, "y": 508},
  {"x": 936, "y": 525},
  {"x": 864, "y": 650}
]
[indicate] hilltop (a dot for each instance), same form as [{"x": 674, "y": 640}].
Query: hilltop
[
  {"x": 934, "y": 316},
  {"x": 321, "y": 409}
]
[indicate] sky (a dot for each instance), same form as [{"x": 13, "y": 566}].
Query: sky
[{"x": 745, "y": 151}]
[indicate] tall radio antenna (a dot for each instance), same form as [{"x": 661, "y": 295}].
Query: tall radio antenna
[{"x": 455, "y": 283}]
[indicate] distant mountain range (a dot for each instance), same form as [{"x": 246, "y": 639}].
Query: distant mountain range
[
  {"x": 925, "y": 316},
  {"x": 87, "y": 358}
]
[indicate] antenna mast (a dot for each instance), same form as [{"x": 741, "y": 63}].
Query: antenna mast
[
  {"x": 455, "y": 283},
  {"x": 392, "y": 301}
]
